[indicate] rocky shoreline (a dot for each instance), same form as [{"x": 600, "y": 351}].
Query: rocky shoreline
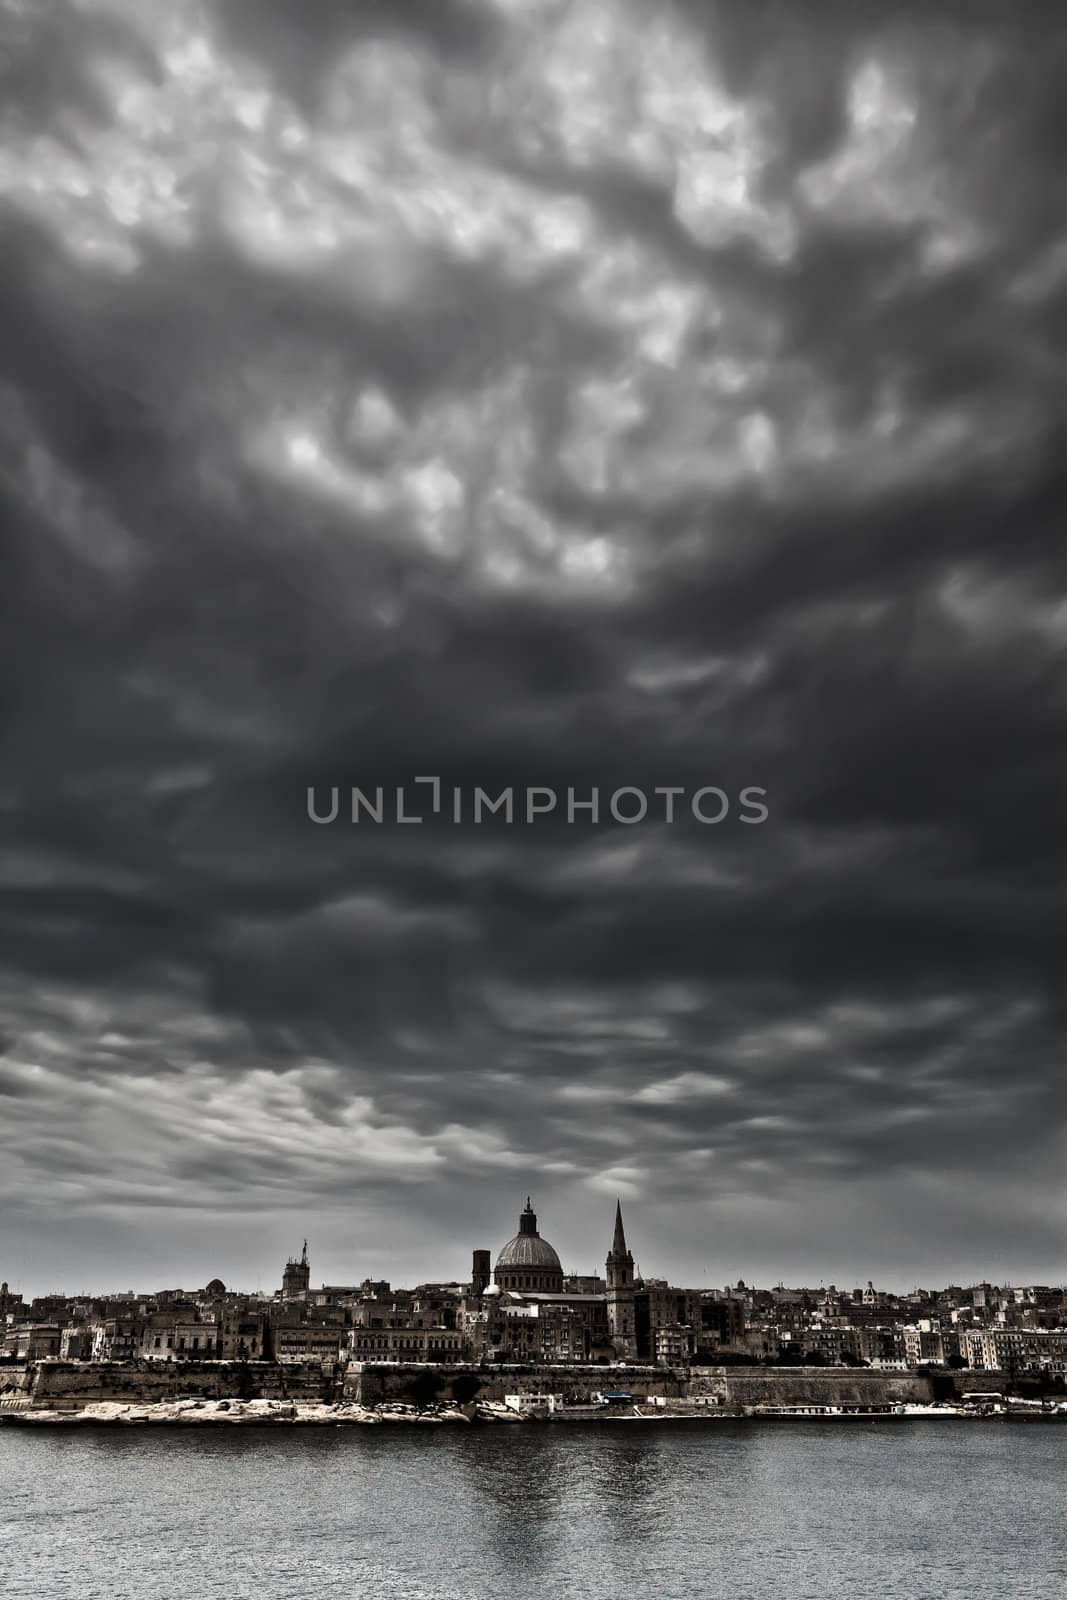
[
  {"x": 233, "y": 1413},
  {"x": 228, "y": 1413}
]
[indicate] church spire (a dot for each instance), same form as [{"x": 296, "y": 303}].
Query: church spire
[
  {"x": 619, "y": 1282},
  {"x": 618, "y": 1243}
]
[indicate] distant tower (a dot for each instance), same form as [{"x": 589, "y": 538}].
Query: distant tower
[
  {"x": 296, "y": 1279},
  {"x": 619, "y": 1273},
  {"x": 480, "y": 1273}
]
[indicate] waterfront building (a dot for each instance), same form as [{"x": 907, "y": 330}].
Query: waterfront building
[
  {"x": 1015, "y": 1349},
  {"x": 926, "y": 1344},
  {"x": 242, "y": 1328},
  {"x": 402, "y": 1341},
  {"x": 312, "y": 1341},
  {"x": 32, "y": 1341},
  {"x": 75, "y": 1343},
  {"x": 674, "y": 1346}
]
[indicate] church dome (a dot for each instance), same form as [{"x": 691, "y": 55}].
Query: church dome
[
  {"x": 528, "y": 1261},
  {"x": 529, "y": 1250}
]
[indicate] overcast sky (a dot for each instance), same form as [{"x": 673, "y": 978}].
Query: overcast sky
[{"x": 553, "y": 393}]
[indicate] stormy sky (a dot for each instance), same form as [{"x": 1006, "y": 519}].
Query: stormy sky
[{"x": 558, "y": 393}]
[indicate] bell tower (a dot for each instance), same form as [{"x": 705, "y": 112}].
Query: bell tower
[
  {"x": 296, "y": 1279},
  {"x": 480, "y": 1273},
  {"x": 619, "y": 1275}
]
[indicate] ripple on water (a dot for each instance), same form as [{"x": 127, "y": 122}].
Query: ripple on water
[{"x": 896, "y": 1512}]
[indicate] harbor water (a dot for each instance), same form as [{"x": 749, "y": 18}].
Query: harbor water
[{"x": 917, "y": 1511}]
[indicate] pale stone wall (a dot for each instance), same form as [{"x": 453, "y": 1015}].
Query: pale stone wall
[
  {"x": 734, "y": 1387},
  {"x": 59, "y": 1384},
  {"x": 831, "y": 1386},
  {"x": 374, "y": 1383},
  {"x": 816, "y": 1386},
  {"x": 15, "y": 1379}
]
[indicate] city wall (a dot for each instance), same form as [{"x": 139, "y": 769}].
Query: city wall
[
  {"x": 372, "y": 1383},
  {"x": 734, "y": 1387},
  {"x": 16, "y": 1380},
  {"x": 62, "y": 1384},
  {"x": 809, "y": 1386}
]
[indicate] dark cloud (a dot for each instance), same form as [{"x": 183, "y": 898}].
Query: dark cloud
[{"x": 533, "y": 396}]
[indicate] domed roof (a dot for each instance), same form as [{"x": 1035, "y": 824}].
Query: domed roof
[{"x": 528, "y": 1249}]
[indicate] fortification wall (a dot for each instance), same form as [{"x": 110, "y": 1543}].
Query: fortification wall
[
  {"x": 67, "y": 1384},
  {"x": 815, "y": 1386},
  {"x": 735, "y": 1387},
  {"x": 15, "y": 1379},
  {"x": 377, "y": 1383},
  {"x": 834, "y": 1386}
]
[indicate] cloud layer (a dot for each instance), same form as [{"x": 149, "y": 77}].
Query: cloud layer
[{"x": 541, "y": 393}]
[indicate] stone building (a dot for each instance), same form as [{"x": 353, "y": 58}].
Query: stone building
[
  {"x": 311, "y": 1341},
  {"x": 1015, "y": 1349},
  {"x": 674, "y": 1345},
  {"x": 76, "y": 1343},
  {"x": 400, "y": 1341},
  {"x": 723, "y": 1320},
  {"x": 32, "y": 1341},
  {"x": 925, "y": 1343},
  {"x": 658, "y": 1307},
  {"x": 242, "y": 1328},
  {"x": 117, "y": 1338}
]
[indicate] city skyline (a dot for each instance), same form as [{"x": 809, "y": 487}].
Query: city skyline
[
  {"x": 237, "y": 1279},
  {"x": 518, "y": 393}
]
